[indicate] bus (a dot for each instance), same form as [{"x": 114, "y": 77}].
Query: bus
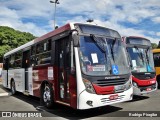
[
  {"x": 142, "y": 65},
  {"x": 78, "y": 65},
  {"x": 156, "y": 56}
]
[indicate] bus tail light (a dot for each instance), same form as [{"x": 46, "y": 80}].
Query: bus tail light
[{"x": 89, "y": 87}]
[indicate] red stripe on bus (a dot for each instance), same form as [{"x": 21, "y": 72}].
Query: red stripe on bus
[
  {"x": 54, "y": 32},
  {"x": 103, "y": 90},
  {"x": 144, "y": 82}
]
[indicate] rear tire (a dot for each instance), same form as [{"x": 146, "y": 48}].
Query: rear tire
[
  {"x": 13, "y": 88},
  {"x": 47, "y": 96}
]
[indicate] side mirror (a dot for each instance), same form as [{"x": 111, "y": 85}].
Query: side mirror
[{"x": 75, "y": 39}]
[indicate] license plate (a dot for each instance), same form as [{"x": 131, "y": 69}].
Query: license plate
[
  {"x": 148, "y": 89},
  {"x": 113, "y": 97}
]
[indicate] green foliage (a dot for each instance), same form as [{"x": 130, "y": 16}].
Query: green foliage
[
  {"x": 10, "y": 39},
  {"x": 154, "y": 45}
]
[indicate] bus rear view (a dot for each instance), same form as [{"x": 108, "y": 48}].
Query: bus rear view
[{"x": 142, "y": 65}]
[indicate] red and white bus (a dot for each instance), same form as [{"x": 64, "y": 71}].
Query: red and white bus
[
  {"x": 142, "y": 65},
  {"x": 79, "y": 65}
]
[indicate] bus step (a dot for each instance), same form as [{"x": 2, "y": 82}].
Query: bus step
[{"x": 26, "y": 93}]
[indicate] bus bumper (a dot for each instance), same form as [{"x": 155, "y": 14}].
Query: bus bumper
[
  {"x": 144, "y": 90},
  {"x": 87, "y": 100}
]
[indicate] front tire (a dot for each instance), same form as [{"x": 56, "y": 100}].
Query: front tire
[{"x": 47, "y": 96}]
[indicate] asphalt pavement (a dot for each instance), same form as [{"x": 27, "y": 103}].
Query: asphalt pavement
[{"x": 149, "y": 103}]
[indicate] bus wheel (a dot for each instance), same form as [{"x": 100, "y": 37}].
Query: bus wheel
[
  {"x": 13, "y": 88},
  {"x": 47, "y": 96}
]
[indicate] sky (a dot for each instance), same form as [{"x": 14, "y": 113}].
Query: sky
[{"x": 128, "y": 17}]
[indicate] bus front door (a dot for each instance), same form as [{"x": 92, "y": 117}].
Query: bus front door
[
  {"x": 63, "y": 58},
  {"x": 25, "y": 65}
]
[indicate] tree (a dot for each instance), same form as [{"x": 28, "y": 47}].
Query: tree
[
  {"x": 10, "y": 39},
  {"x": 154, "y": 45},
  {"x": 158, "y": 45}
]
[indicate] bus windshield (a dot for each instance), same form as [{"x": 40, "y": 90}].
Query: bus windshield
[
  {"x": 141, "y": 59},
  {"x": 98, "y": 55}
]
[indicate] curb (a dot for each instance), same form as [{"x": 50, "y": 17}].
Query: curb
[{"x": 5, "y": 94}]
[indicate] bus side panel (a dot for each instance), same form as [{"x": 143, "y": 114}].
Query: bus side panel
[
  {"x": 19, "y": 78},
  {"x": 4, "y": 78},
  {"x": 40, "y": 73}
]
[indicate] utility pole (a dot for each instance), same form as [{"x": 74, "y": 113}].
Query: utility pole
[{"x": 55, "y": 2}]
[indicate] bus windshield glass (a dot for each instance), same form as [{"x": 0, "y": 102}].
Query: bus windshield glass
[
  {"x": 141, "y": 59},
  {"x": 98, "y": 55}
]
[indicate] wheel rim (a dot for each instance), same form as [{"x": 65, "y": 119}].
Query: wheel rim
[{"x": 46, "y": 94}]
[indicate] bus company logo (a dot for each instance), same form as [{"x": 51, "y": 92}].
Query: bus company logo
[
  {"x": 21, "y": 114},
  {"x": 148, "y": 77},
  {"x": 6, "y": 114},
  {"x": 112, "y": 77}
]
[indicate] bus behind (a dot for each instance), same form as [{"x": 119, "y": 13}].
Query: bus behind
[{"x": 141, "y": 61}]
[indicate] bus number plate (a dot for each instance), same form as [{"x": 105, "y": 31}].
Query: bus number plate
[
  {"x": 113, "y": 97},
  {"x": 148, "y": 89}
]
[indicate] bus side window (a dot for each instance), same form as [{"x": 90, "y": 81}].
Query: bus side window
[
  {"x": 68, "y": 55},
  {"x": 43, "y": 53},
  {"x": 18, "y": 59},
  {"x": 157, "y": 59},
  {"x": 33, "y": 52}
]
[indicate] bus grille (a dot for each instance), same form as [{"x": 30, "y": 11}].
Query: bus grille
[{"x": 111, "y": 82}]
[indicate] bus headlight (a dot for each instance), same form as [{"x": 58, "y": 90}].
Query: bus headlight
[
  {"x": 128, "y": 84},
  {"x": 135, "y": 84},
  {"x": 89, "y": 87}
]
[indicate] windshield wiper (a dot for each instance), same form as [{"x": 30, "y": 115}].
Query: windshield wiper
[
  {"x": 99, "y": 42},
  {"x": 129, "y": 57},
  {"x": 112, "y": 53},
  {"x": 147, "y": 55},
  {"x": 139, "y": 54}
]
